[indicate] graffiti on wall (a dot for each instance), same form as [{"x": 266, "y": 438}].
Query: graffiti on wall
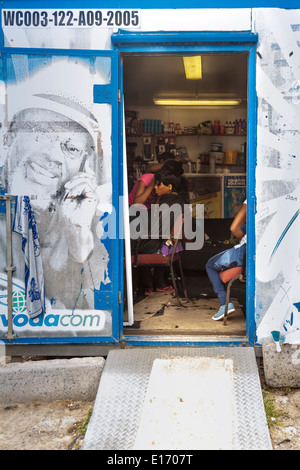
[{"x": 278, "y": 174}]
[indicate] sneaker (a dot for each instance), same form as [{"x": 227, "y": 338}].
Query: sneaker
[{"x": 220, "y": 314}]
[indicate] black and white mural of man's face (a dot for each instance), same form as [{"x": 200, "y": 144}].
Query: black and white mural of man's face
[{"x": 46, "y": 150}]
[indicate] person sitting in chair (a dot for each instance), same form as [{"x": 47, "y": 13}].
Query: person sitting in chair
[
  {"x": 161, "y": 220},
  {"x": 228, "y": 259},
  {"x": 143, "y": 192}
]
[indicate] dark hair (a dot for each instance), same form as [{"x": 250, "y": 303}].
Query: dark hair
[
  {"x": 179, "y": 183},
  {"x": 165, "y": 156},
  {"x": 167, "y": 177},
  {"x": 173, "y": 166}
]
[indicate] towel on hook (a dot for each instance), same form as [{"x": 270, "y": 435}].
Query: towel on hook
[{"x": 25, "y": 224}]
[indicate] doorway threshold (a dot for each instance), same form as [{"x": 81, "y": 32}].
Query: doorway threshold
[{"x": 183, "y": 340}]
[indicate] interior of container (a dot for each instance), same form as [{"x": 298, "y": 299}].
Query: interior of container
[{"x": 211, "y": 142}]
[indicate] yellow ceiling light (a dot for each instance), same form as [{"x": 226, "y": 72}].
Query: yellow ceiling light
[
  {"x": 195, "y": 102},
  {"x": 193, "y": 67}
]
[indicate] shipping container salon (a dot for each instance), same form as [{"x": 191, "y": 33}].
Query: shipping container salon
[{"x": 91, "y": 96}]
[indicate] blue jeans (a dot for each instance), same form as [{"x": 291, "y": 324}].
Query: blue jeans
[{"x": 220, "y": 262}]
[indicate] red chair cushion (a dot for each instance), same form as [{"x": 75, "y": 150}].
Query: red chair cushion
[
  {"x": 229, "y": 274},
  {"x": 154, "y": 258}
]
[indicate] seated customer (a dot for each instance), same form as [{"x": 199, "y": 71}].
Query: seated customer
[
  {"x": 160, "y": 222},
  {"x": 228, "y": 259}
]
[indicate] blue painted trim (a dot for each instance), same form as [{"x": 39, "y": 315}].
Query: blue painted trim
[
  {"x": 60, "y": 52},
  {"x": 63, "y": 340},
  {"x": 172, "y": 37},
  {"x": 149, "y": 4},
  {"x": 103, "y": 93},
  {"x": 117, "y": 173},
  {"x": 121, "y": 192},
  {"x": 136, "y": 341},
  {"x": 184, "y": 49},
  {"x": 1, "y": 31},
  {"x": 191, "y": 341},
  {"x": 251, "y": 196},
  {"x": 235, "y": 47}
]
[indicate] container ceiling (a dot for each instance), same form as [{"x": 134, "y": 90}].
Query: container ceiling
[{"x": 146, "y": 76}]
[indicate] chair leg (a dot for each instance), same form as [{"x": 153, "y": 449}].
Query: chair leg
[
  {"x": 227, "y": 299},
  {"x": 174, "y": 284},
  {"x": 134, "y": 280},
  {"x": 182, "y": 278}
]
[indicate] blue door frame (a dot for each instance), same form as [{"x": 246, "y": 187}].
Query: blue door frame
[{"x": 209, "y": 43}]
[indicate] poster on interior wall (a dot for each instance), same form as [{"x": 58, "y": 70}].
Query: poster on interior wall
[
  {"x": 57, "y": 160},
  {"x": 234, "y": 194},
  {"x": 205, "y": 190},
  {"x": 212, "y": 205}
]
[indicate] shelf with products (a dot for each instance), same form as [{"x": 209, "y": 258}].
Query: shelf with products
[
  {"x": 217, "y": 173},
  {"x": 155, "y": 136},
  {"x": 150, "y": 146},
  {"x": 196, "y": 152},
  {"x": 153, "y": 127},
  {"x": 196, "y": 134}
]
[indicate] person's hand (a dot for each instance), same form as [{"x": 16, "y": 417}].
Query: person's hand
[
  {"x": 80, "y": 200},
  {"x": 77, "y": 211}
]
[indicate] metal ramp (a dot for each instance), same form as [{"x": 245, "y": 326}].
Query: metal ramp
[{"x": 123, "y": 385}]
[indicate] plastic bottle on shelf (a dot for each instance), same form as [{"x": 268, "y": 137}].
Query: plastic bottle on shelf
[
  {"x": 244, "y": 126},
  {"x": 236, "y": 126},
  {"x": 171, "y": 127},
  {"x": 217, "y": 127},
  {"x": 226, "y": 127},
  {"x": 240, "y": 126},
  {"x": 189, "y": 166},
  {"x": 198, "y": 165},
  {"x": 230, "y": 128},
  {"x": 212, "y": 164}
]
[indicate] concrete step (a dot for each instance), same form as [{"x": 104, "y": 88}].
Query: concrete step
[{"x": 47, "y": 380}]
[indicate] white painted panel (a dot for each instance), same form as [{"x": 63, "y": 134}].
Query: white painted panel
[
  {"x": 199, "y": 19},
  {"x": 278, "y": 172}
]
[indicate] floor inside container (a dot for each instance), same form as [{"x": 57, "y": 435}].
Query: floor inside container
[{"x": 160, "y": 314}]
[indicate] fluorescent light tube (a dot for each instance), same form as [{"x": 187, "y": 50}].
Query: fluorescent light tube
[{"x": 195, "y": 102}]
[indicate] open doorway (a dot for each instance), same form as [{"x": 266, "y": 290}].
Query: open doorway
[{"x": 211, "y": 142}]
